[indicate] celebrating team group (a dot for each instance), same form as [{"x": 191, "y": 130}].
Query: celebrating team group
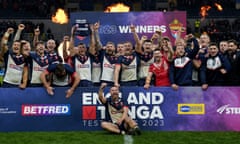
[{"x": 154, "y": 61}]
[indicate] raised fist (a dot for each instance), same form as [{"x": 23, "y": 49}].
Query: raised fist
[
  {"x": 10, "y": 30},
  {"x": 21, "y": 26}
]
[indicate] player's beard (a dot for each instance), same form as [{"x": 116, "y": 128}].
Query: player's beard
[
  {"x": 110, "y": 52},
  {"x": 115, "y": 96}
]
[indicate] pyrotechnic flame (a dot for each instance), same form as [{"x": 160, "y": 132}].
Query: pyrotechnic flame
[
  {"x": 60, "y": 17},
  {"x": 219, "y": 7},
  {"x": 119, "y": 7},
  {"x": 203, "y": 10},
  {"x": 206, "y": 8}
]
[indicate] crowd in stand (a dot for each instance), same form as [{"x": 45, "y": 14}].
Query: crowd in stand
[
  {"x": 28, "y": 31},
  {"x": 155, "y": 61},
  {"x": 29, "y": 26},
  {"x": 217, "y": 29},
  {"x": 29, "y": 8},
  {"x": 196, "y": 3},
  {"x": 46, "y": 8}
]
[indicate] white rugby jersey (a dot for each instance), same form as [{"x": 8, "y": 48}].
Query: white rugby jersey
[
  {"x": 58, "y": 82},
  {"x": 129, "y": 72},
  {"x": 14, "y": 72},
  {"x": 96, "y": 72},
  {"x": 144, "y": 67},
  {"x": 107, "y": 70},
  {"x": 36, "y": 72},
  {"x": 84, "y": 70}
]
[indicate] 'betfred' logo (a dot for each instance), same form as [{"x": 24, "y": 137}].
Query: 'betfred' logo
[{"x": 46, "y": 109}]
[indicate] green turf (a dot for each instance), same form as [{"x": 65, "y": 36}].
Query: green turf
[{"x": 102, "y": 137}]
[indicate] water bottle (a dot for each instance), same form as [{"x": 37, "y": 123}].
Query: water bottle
[{"x": 128, "y": 139}]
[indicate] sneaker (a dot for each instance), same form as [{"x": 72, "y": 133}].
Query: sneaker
[
  {"x": 131, "y": 132},
  {"x": 137, "y": 131}
]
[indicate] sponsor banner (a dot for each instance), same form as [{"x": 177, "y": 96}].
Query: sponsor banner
[
  {"x": 191, "y": 108},
  {"x": 43, "y": 109},
  {"x": 144, "y": 106},
  {"x": 159, "y": 108},
  {"x": 115, "y": 27}
]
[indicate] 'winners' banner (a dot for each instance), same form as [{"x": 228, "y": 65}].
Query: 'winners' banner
[
  {"x": 160, "y": 109},
  {"x": 115, "y": 26}
]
